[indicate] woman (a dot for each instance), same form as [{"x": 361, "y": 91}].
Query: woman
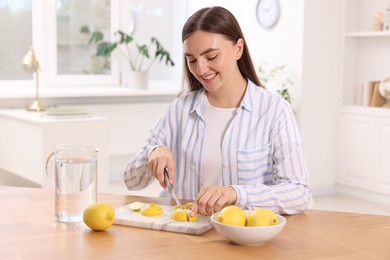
[{"x": 226, "y": 140}]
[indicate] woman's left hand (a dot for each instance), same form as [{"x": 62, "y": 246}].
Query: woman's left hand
[{"x": 212, "y": 199}]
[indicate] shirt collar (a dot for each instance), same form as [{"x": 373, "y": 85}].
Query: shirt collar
[
  {"x": 246, "y": 102},
  {"x": 197, "y": 104}
]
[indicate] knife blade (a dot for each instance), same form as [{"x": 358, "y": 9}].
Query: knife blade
[{"x": 170, "y": 188}]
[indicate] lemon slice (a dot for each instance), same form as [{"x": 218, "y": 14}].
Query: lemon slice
[
  {"x": 152, "y": 210},
  {"x": 183, "y": 215},
  {"x": 136, "y": 205}
]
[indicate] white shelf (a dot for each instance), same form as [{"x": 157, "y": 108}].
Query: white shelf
[
  {"x": 366, "y": 111},
  {"x": 157, "y": 89},
  {"x": 368, "y": 34},
  {"x": 38, "y": 118}
]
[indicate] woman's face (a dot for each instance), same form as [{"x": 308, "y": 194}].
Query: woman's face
[{"x": 212, "y": 59}]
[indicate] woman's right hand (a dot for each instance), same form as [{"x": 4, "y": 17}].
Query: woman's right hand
[{"x": 161, "y": 158}]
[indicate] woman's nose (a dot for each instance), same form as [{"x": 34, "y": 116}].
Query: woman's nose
[{"x": 201, "y": 67}]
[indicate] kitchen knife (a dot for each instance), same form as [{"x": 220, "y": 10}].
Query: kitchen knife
[{"x": 170, "y": 188}]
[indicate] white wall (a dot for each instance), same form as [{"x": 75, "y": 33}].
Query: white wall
[{"x": 319, "y": 94}]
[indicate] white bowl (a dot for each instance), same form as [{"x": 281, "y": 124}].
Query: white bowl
[{"x": 248, "y": 236}]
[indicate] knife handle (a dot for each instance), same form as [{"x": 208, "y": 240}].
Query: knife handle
[{"x": 166, "y": 177}]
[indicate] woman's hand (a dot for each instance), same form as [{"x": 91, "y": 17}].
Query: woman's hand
[
  {"x": 212, "y": 199},
  {"x": 161, "y": 158}
]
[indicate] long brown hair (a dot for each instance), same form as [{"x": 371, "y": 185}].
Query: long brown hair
[{"x": 221, "y": 21}]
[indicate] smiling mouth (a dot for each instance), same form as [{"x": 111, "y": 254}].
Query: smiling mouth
[{"x": 208, "y": 77}]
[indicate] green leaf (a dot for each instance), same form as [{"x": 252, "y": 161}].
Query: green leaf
[
  {"x": 161, "y": 53},
  {"x": 84, "y": 29},
  {"x": 96, "y": 37},
  {"x": 285, "y": 94},
  {"x": 124, "y": 38},
  {"x": 105, "y": 49},
  {"x": 143, "y": 50}
]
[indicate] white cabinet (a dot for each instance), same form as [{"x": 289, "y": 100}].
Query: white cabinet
[
  {"x": 356, "y": 151},
  {"x": 382, "y": 159},
  {"x": 26, "y": 140},
  {"x": 364, "y": 149}
]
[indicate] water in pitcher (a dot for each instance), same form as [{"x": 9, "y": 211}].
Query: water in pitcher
[{"x": 76, "y": 187}]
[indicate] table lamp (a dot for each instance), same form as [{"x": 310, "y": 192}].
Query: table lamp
[{"x": 31, "y": 64}]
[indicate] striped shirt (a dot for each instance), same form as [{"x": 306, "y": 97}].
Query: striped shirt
[{"x": 262, "y": 152}]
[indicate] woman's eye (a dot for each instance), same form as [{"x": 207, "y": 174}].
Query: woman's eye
[
  {"x": 212, "y": 58},
  {"x": 191, "y": 61}
]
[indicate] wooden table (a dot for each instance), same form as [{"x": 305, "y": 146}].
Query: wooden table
[{"x": 28, "y": 230}]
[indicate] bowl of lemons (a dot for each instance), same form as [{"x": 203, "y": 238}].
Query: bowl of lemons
[{"x": 247, "y": 227}]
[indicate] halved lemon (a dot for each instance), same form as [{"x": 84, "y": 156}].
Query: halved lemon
[{"x": 136, "y": 205}]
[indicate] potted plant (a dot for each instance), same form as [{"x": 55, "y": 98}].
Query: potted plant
[
  {"x": 140, "y": 57},
  {"x": 276, "y": 79}
]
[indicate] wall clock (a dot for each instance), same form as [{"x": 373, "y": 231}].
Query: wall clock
[{"x": 268, "y": 13}]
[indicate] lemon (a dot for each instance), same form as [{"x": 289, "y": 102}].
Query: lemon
[
  {"x": 232, "y": 215},
  {"x": 99, "y": 216},
  {"x": 152, "y": 210},
  {"x": 136, "y": 205},
  {"x": 191, "y": 218},
  {"x": 186, "y": 206},
  {"x": 183, "y": 215},
  {"x": 262, "y": 217},
  {"x": 179, "y": 215}
]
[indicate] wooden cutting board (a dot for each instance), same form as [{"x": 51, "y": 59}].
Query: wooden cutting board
[{"x": 127, "y": 217}]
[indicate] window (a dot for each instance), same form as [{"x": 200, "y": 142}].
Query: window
[
  {"x": 60, "y": 30},
  {"x": 15, "y": 16},
  {"x": 75, "y": 21}
]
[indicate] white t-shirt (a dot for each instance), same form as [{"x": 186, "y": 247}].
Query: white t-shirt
[{"x": 217, "y": 121}]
